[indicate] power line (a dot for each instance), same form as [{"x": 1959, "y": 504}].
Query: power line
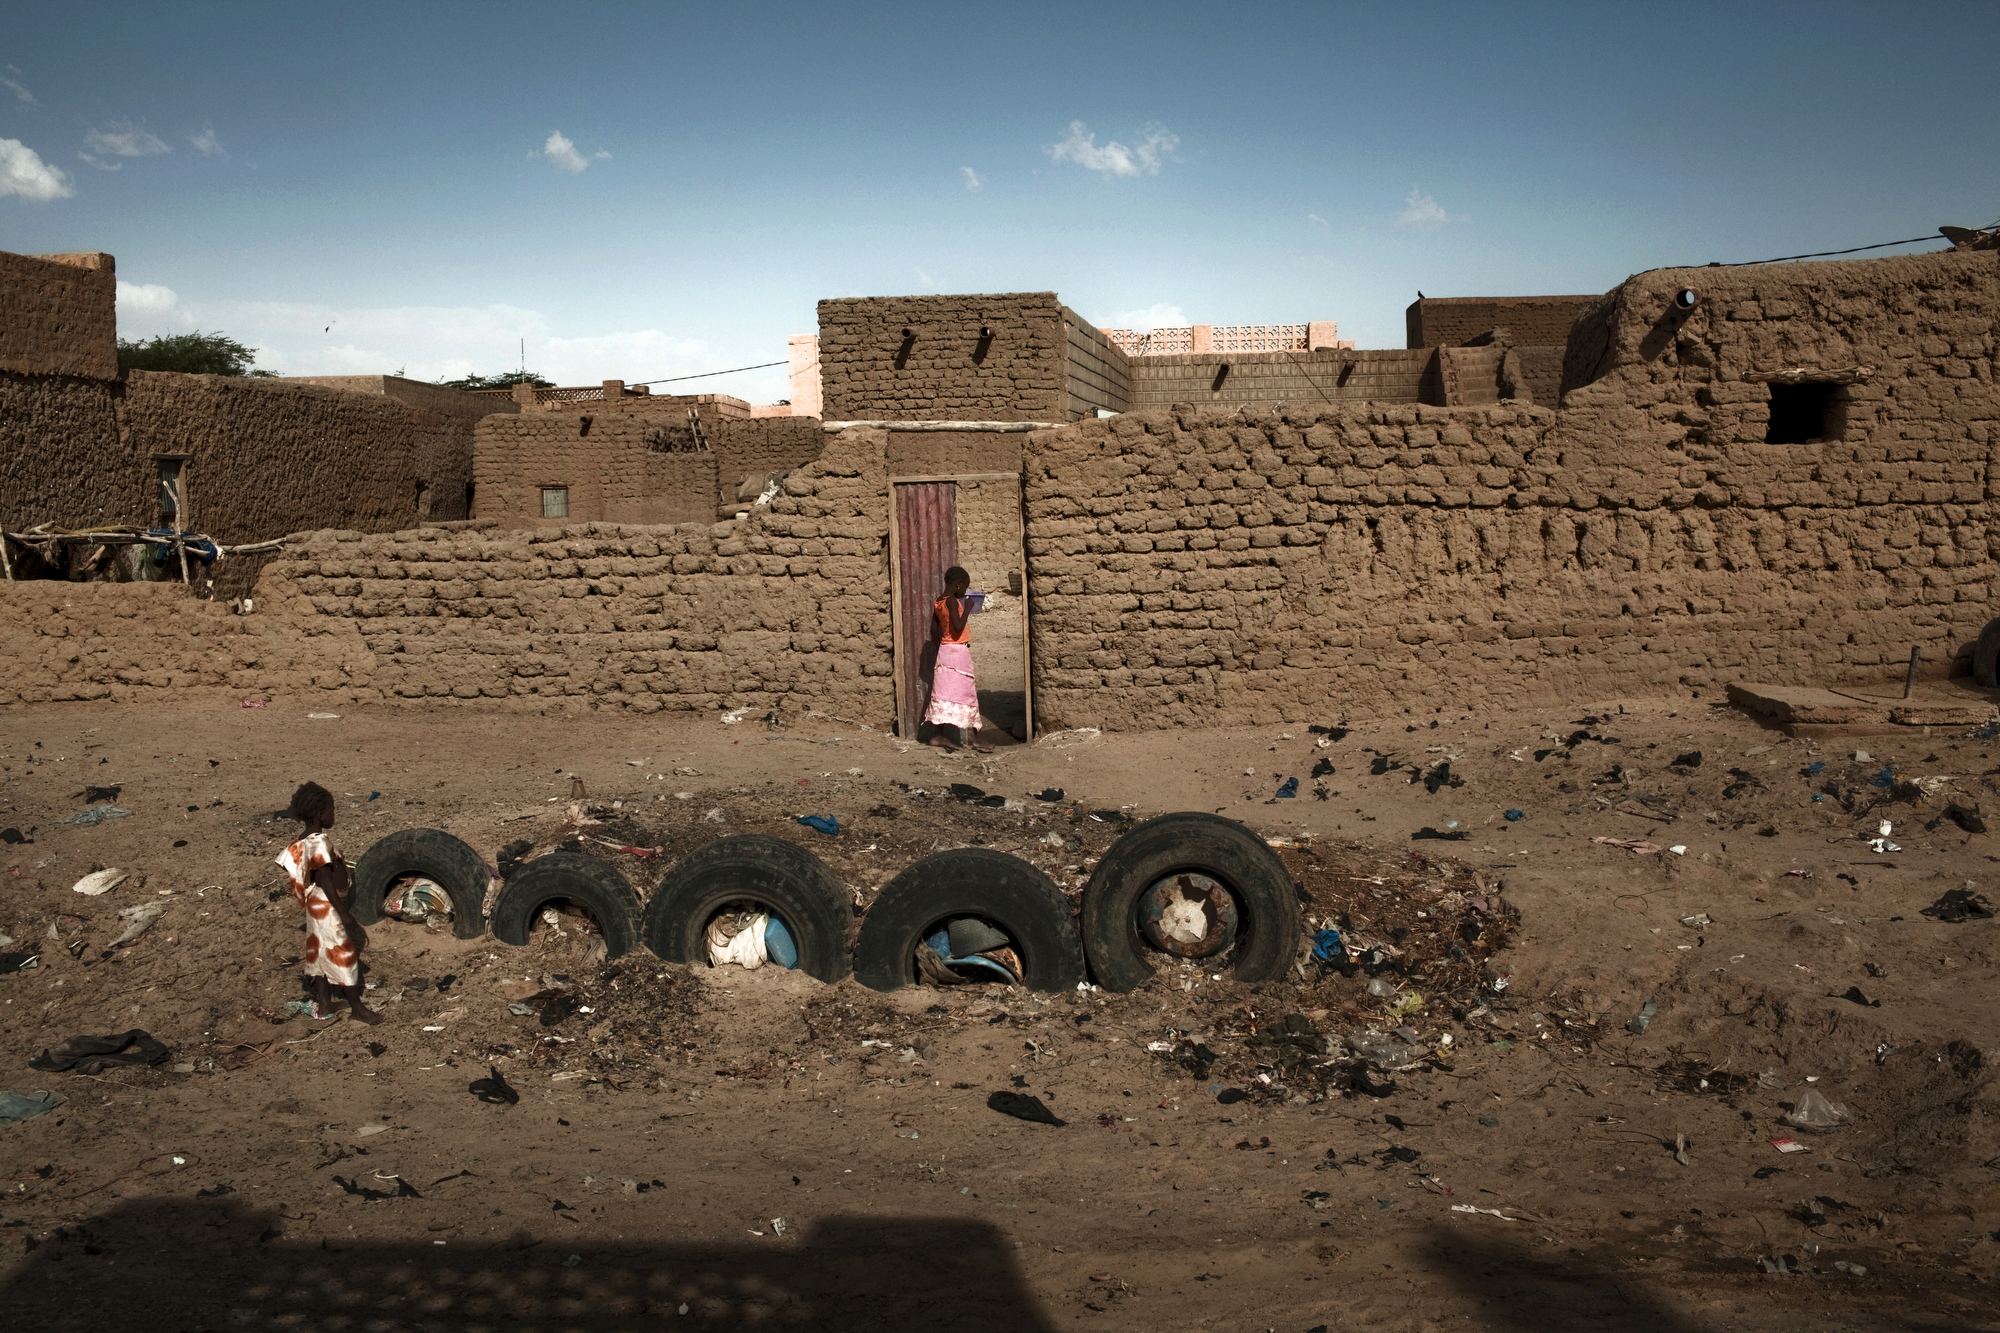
[
  {"x": 710, "y": 374},
  {"x": 1822, "y": 254}
]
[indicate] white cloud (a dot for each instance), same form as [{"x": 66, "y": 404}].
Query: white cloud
[
  {"x": 1423, "y": 212},
  {"x": 1157, "y": 316},
  {"x": 972, "y": 181},
  {"x": 206, "y": 143},
  {"x": 1114, "y": 158},
  {"x": 1316, "y": 220},
  {"x": 23, "y": 172},
  {"x": 601, "y": 155},
  {"x": 562, "y": 152},
  {"x": 146, "y": 300},
  {"x": 102, "y": 148},
  {"x": 16, "y": 87}
]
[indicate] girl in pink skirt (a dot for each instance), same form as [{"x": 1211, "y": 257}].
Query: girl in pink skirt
[{"x": 954, "y": 694}]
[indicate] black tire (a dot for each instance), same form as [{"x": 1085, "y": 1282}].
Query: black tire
[
  {"x": 1220, "y": 848},
  {"x": 435, "y": 855},
  {"x": 970, "y": 881},
  {"x": 584, "y": 880},
  {"x": 1986, "y": 656},
  {"x": 783, "y": 877}
]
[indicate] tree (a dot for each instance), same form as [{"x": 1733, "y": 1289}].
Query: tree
[
  {"x": 505, "y": 380},
  {"x": 194, "y": 353}
]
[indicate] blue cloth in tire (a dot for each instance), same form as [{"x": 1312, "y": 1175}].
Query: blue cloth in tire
[{"x": 779, "y": 945}]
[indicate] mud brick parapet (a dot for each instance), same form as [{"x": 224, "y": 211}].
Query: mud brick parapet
[
  {"x": 944, "y": 370},
  {"x": 59, "y": 315}
]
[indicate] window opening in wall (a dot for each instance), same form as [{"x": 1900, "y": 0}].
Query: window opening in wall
[
  {"x": 173, "y": 495},
  {"x": 1799, "y": 413},
  {"x": 555, "y": 502}
]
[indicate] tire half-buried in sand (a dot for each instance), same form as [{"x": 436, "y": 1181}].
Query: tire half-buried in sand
[
  {"x": 1184, "y": 858},
  {"x": 573, "y": 877},
  {"x": 437, "y": 856},
  {"x": 970, "y": 882},
  {"x": 779, "y": 877}
]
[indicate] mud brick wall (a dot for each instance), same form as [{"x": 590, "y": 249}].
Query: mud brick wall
[
  {"x": 947, "y": 373},
  {"x": 1453, "y": 321},
  {"x": 620, "y": 467},
  {"x": 1099, "y": 372},
  {"x": 1344, "y": 376},
  {"x": 436, "y": 398},
  {"x": 1266, "y": 565},
  {"x": 59, "y": 315},
  {"x": 61, "y": 460},
  {"x": 754, "y": 446},
  {"x": 130, "y": 641},
  {"x": 788, "y": 609}
]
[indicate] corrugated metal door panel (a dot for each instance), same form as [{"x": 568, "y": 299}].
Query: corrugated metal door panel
[{"x": 927, "y": 545}]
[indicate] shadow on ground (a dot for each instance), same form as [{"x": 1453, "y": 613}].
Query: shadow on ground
[{"x": 185, "y": 1265}]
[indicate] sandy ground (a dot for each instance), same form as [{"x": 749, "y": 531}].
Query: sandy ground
[{"x": 320, "y": 1176}]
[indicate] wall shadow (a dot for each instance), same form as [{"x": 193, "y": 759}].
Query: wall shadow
[{"x": 173, "y": 1264}]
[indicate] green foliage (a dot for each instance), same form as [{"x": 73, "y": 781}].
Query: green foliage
[
  {"x": 504, "y": 380},
  {"x": 194, "y": 353}
]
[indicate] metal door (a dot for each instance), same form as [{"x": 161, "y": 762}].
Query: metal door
[{"x": 925, "y": 545}]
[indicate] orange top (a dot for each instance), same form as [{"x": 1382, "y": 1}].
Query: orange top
[{"x": 945, "y": 635}]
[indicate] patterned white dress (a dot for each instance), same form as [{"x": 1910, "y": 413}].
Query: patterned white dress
[{"x": 329, "y": 952}]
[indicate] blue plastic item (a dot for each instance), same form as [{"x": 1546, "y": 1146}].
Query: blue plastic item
[
  {"x": 779, "y": 945},
  {"x": 1288, "y": 791},
  {"x": 1326, "y": 946},
  {"x": 826, "y": 824},
  {"x": 1819, "y": 797},
  {"x": 940, "y": 943},
  {"x": 1513, "y": 816},
  {"x": 1814, "y": 768},
  {"x": 1887, "y": 777}
]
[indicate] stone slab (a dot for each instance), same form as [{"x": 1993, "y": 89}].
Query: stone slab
[{"x": 1807, "y": 704}]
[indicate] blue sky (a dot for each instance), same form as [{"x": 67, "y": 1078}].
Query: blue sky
[{"x": 653, "y": 190}]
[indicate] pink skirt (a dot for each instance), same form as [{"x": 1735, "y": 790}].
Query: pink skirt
[{"x": 954, "y": 696}]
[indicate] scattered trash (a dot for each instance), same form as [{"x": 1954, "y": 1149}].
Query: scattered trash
[
  {"x": 14, "y": 835},
  {"x": 92, "y": 1055},
  {"x": 1813, "y": 1111},
  {"x": 1882, "y": 843},
  {"x": 1855, "y": 1270},
  {"x": 256, "y": 703},
  {"x": 140, "y": 918},
  {"x": 494, "y": 1089},
  {"x": 1427, "y": 833},
  {"x": 1644, "y": 1018},
  {"x": 1814, "y": 769},
  {"x": 1383, "y": 1050},
  {"x": 749, "y": 940},
  {"x": 1783, "y": 1264},
  {"x": 1698, "y": 920},
  {"x": 826, "y": 824},
  {"x": 416, "y": 898},
  {"x": 1862, "y": 756},
  {"x": 1515, "y": 816},
  {"x": 1886, "y": 778},
  {"x": 95, "y": 815},
  {"x": 1489, "y": 1212},
  {"x": 1637, "y": 846},
  {"x": 1786, "y": 1143},
  {"x": 1692, "y": 759},
  {"x": 1287, "y": 790},
  {"x": 1967, "y": 819},
  {"x": 100, "y": 882},
  {"x": 1679, "y": 849},
  {"x": 1326, "y": 946},
  {"x": 1959, "y": 905},
  {"x": 16, "y": 1107},
  {"x": 778, "y": 1223},
  {"x": 715, "y": 816},
  {"x": 324, "y": 717},
  {"x": 93, "y": 795},
  {"x": 520, "y": 1010},
  {"x": 1023, "y": 1106},
  {"x": 19, "y": 962},
  {"x": 1049, "y": 794}
]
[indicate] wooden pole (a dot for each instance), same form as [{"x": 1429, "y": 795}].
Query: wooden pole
[
  {"x": 1910, "y": 680},
  {"x": 6, "y": 561}
]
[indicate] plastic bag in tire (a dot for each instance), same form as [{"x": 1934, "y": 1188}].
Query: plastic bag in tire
[
  {"x": 975, "y": 882},
  {"x": 584, "y": 880},
  {"x": 1219, "y": 848},
  {"x": 785, "y": 879},
  {"x": 435, "y": 855}
]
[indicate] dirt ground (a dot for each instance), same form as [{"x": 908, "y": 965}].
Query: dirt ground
[{"x": 732, "y": 1149}]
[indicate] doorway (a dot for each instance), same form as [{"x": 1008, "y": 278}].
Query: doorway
[{"x": 973, "y": 521}]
